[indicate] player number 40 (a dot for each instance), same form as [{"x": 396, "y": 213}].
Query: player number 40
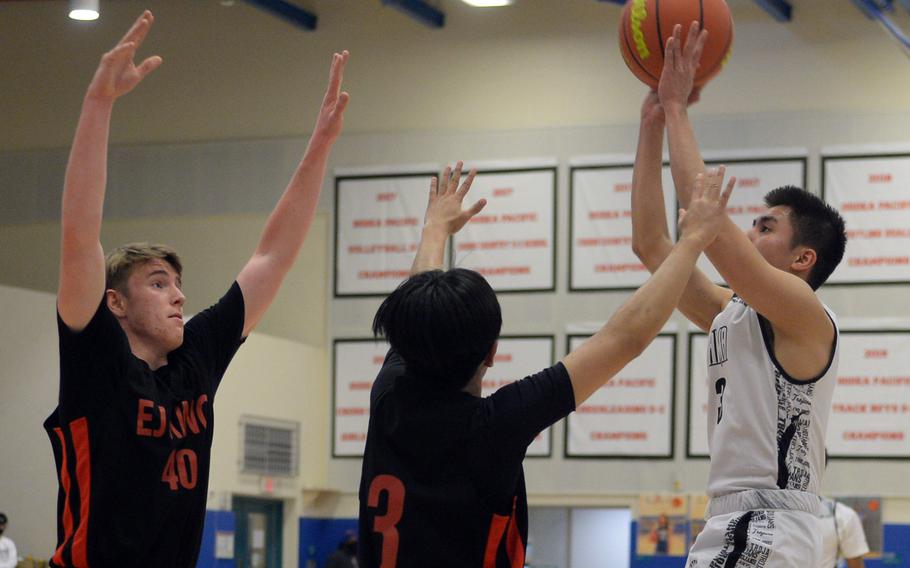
[{"x": 181, "y": 470}]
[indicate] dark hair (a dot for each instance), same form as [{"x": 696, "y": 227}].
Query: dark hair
[
  {"x": 816, "y": 225},
  {"x": 442, "y": 323}
]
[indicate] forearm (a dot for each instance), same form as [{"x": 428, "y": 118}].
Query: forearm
[
  {"x": 685, "y": 160},
  {"x": 288, "y": 224},
  {"x": 650, "y": 236},
  {"x": 641, "y": 317},
  {"x": 431, "y": 250},
  {"x": 82, "y": 205}
]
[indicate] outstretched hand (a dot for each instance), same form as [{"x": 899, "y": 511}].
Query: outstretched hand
[
  {"x": 677, "y": 78},
  {"x": 117, "y": 74},
  {"x": 331, "y": 114},
  {"x": 444, "y": 208},
  {"x": 708, "y": 207}
]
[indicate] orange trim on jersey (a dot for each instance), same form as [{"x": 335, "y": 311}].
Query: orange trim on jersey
[
  {"x": 514, "y": 547},
  {"x": 67, "y": 513},
  {"x": 497, "y": 529},
  {"x": 79, "y": 432}
]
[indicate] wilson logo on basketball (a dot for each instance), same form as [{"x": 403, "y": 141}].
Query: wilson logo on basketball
[{"x": 639, "y": 14}]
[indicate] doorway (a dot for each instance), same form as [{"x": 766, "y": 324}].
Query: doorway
[{"x": 257, "y": 536}]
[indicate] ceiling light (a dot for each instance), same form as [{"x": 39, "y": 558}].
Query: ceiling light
[
  {"x": 84, "y": 9},
  {"x": 487, "y": 3}
]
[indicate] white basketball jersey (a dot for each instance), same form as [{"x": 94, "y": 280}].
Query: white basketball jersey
[{"x": 765, "y": 430}]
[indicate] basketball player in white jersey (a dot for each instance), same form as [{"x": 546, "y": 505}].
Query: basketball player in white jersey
[{"x": 773, "y": 345}]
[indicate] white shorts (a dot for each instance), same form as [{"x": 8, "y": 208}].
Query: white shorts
[{"x": 757, "y": 539}]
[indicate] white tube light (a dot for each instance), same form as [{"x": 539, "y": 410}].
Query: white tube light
[
  {"x": 85, "y": 10},
  {"x": 487, "y": 3}
]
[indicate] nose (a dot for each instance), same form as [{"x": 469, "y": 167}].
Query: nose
[{"x": 179, "y": 298}]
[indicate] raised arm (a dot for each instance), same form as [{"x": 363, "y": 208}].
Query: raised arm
[
  {"x": 638, "y": 321},
  {"x": 289, "y": 222},
  {"x": 444, "y": 217},
  {"x": 786, "y": 300},
  {"x": 702, "y": 300},
  {"x": 675, "y": 89},
  {"x": 81, "y": 285}
]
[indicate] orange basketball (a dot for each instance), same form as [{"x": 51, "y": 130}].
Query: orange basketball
[{"x": 646, "y": 25}]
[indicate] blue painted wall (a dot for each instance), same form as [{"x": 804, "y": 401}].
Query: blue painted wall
[
  {"x": 320, "y": 537},
  {"x": 214, "y": 521}
]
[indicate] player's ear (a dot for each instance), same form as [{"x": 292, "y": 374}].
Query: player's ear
[
  {"x": 805, "y": 259},
  {"x": 116, "y": 302}
]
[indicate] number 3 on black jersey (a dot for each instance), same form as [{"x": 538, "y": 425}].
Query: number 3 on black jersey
[
  {"x": 719, "y": 388},
  {"x": 386, "y": 524}
]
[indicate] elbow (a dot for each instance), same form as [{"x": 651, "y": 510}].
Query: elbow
[{"x": 638, "y": 248}]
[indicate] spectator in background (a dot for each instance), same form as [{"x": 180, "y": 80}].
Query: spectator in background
[
  {"x": 8, "y": 556},
  {"x": 842, "y": 535},
  {"x": 346, "y": 555}
]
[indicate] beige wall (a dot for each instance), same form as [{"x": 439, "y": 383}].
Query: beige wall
[
  {"x": 213, "y": 250},
  {"x": 236, "y": 72}
]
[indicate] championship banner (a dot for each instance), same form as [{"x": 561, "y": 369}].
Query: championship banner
[
  {"x": 516, "y": 358},
  {"x": 870, "y": 412},
  {"x": 378, "y": 221},
  {"x": 754, "y": 178},
  {"x": 697, "y": 425},
  {"x": 600, "y": 228},
  {"x": 872, "y": 194},
  {"x": 662, "y": 525},
  {"x": 512, "y": 242},
  {"x": 632, "y": 415},
  {"x": 356, "y": 364}
]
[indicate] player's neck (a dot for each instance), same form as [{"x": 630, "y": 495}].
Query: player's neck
[
  {"x": 474, "y": 386},
  {"x": 153, "y": 356}
]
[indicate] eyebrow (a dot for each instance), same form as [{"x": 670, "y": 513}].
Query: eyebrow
[
  {"x": 765, "y": 219},
  {"x": 161, "y": 271}
]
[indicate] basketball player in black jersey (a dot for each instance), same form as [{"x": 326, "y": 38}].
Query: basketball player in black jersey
[
  {"x": 442, "y": 482},
  {"x": 132, "y": 432}
]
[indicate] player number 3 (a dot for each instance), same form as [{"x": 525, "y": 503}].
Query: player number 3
[{"x": 386, "y": 524}]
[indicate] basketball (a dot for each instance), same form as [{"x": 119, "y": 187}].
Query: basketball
[{"x": 645, "y": 26}]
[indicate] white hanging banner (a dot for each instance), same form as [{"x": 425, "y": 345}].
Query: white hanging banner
[
  {"x": 357, "y": 362},
  {"x": 632, "y": 415},
  {"x": 697, "y": 430},
  {"x": 512, "y": 242},
  {"x": 872, "y": 193},
  {"x": 601, "y": 228},
  {"x": 754, "y": 178},
  {"x": 378, "y": 221},
  {"x": 870, "y": 412}
]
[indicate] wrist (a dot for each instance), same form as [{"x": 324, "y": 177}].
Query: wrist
[
  {"x": 434, "y": 230},
  {"x": 675, "y": 108},
  {"x": 97, "y": 103},
  {"x": 693, "y": 241}
]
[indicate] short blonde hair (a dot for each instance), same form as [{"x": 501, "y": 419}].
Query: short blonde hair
[{"x": 120, "y": 262}]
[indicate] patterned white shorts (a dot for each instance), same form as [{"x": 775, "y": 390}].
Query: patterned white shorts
[{"x": 757, "y": 539}]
